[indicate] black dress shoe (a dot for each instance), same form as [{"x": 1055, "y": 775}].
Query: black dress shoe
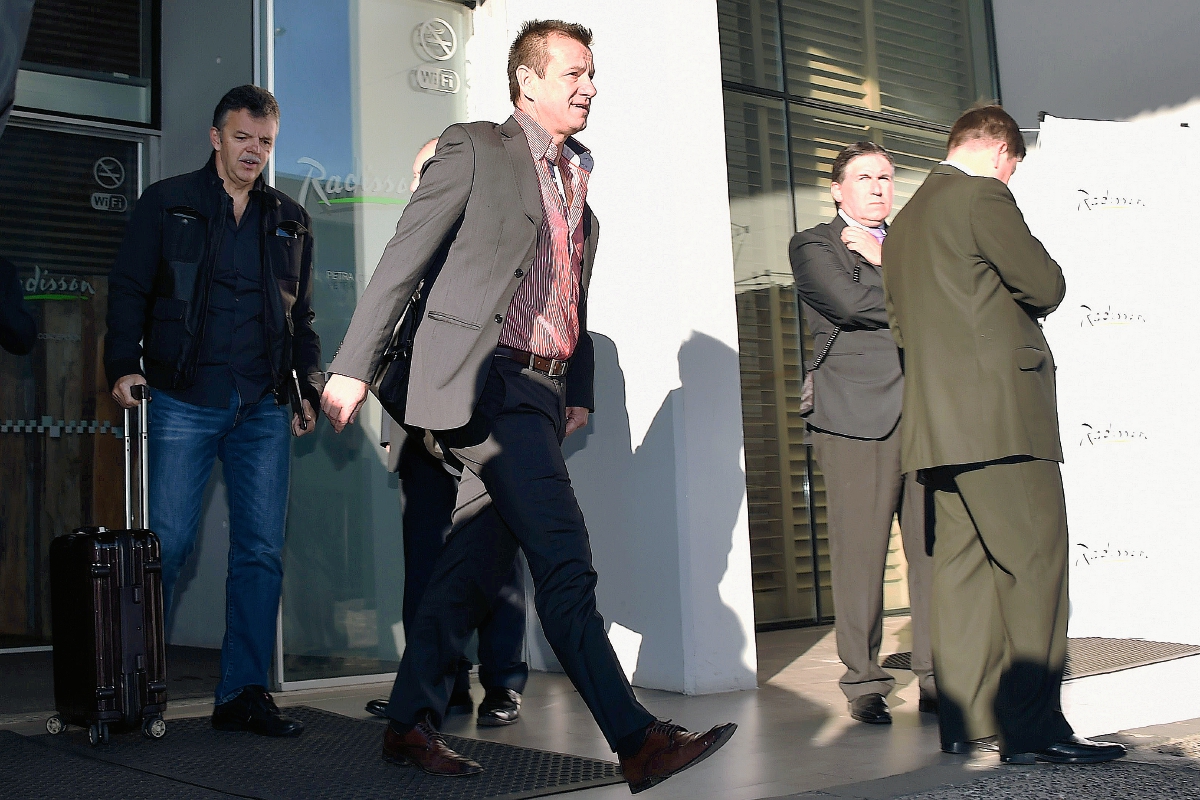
[
  {"x": 499, "y": 707},
  {"x": 1072, "y": 750},
  {"x": 965, "y": 748},
  {"x": 377, "y": 708},
  {"x": 872, "y": 709},
  {"x": 460, "y": 703},
  {"x": 253, "y": 710}
]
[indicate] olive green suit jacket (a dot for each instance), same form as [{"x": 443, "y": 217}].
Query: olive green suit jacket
[{"x": 965, "y": 283}]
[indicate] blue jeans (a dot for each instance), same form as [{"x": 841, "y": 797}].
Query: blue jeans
[{"x": 253, "y": 443}]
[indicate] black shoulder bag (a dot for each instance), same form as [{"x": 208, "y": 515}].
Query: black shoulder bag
[{"x": 390, "y": 384}]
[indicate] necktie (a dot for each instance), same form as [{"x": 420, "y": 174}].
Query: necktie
[{"x": 878, "y": 233}]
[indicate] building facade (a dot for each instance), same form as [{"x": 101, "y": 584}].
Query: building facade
[{"x": 713, "y": 131}]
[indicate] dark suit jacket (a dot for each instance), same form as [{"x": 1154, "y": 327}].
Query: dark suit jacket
[
  {"x": 966, "y": 282},
  {"x": 18, "y": 331},
  {"x": 472, "y": 228},
  {"x": 857, "y": 390}
]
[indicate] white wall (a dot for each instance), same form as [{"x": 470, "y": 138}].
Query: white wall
[
  {"x": 659, "y": 471},
  {"x": 1096, "y": 59}
]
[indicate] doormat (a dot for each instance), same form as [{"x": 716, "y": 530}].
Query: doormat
[
  {"x": 1096, "y": 656},
  {"x": 30, "y": 769},
  {"x": 336, "y": 758}
]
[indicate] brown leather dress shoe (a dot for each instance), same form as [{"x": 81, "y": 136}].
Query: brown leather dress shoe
[
  {"x": 424, "y": 747},
  {"x": 669, "y": 749}
]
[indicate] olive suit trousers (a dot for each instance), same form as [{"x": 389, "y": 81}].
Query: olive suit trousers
[{"x": 1000, "y": 601}]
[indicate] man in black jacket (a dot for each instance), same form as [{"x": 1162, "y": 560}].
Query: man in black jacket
[{"x": 210, "y": 302}]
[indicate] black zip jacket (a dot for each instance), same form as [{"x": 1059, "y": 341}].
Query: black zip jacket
[{"x": 158, "y": 290}]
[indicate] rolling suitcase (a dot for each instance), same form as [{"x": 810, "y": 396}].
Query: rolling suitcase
[{"x": 107, "y": 619}]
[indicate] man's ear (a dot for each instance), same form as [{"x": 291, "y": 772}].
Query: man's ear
[
  {"x": 1001, "y": 154},
  {"x": 214, "y": 136},
  {"x": 835, "y": 191},
  {"x": 525, "y": 76}
]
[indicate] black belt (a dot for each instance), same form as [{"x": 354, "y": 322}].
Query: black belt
[{"x": 551, "y": 367}]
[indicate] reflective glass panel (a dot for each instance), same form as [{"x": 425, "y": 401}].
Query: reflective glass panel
[
  {"x": 750, "y": 42},
  {"x": 362, "y": 86}
]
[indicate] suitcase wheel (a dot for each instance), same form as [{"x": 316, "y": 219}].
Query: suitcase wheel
[
  {"x": 98, "y": 734},
  {"x": 55, "y": 725},
  {"x": 154, "y": 728}
]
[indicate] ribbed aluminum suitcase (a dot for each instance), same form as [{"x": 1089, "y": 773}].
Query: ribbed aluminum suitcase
[{"x": 107, "y": 622}]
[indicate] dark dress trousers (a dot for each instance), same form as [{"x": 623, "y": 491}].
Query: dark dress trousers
[
  {"x": 966, "y": 282},
  {"x": 427, "y": 499},
  {"x": 472, "y": 226},
  {"x": 857, "y": 396}
]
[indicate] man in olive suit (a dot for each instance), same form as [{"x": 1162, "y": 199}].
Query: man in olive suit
[{"x": 966, "y": 283}]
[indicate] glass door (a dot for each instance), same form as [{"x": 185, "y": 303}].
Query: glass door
[
  {"x": 65, "y": 197},
  {"x": 362, "y": 86}
]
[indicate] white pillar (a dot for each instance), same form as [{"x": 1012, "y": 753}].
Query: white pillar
[{"x": 660, "y": 470}]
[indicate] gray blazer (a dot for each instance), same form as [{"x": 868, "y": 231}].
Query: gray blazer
[
  {"x": 858, "y": 389},
  {"x": 470, "y": 229}
]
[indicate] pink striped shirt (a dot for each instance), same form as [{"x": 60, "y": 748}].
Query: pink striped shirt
[{"x": 543, "y": 317}]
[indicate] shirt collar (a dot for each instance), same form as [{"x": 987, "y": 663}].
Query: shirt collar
[
  {"x": 855, "y": 223},
  {"x": 960, "y": 168},
  {"x": 541, "y": 145}
]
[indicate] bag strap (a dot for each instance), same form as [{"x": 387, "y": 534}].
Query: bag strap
[{"x": 820, "y": 359}]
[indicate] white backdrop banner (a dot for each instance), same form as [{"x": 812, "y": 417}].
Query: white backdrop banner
[{"x": 1115, "y": 204}]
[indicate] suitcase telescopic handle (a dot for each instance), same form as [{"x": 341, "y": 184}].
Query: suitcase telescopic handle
[{"x": 140, "y": 393}]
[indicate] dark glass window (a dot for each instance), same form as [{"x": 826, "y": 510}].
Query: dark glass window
[
  {"x": 91, "y": 59},
  {"x": 803, "y": 79},
  {"x": 109, "y": 37}
]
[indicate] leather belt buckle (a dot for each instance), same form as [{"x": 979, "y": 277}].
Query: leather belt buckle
[
  {"x": 550, "y": 367},
  {"x": 555, "y": 368}
]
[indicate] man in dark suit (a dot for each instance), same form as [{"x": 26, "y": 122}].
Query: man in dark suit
[
  {"x": 966, "y": 284},
  {"x": 501, "y": 371},
  {"x": 857, "y": 390}
]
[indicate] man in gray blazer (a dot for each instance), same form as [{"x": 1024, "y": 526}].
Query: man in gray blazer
[
  {"x": 502, "y": 370},
  {"x": 857, "y": 392}
]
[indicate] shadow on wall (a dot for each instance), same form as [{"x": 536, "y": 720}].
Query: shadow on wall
[{"x": 630, "y": 499}]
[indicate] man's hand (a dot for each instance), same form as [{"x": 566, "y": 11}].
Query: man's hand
[
  {"x": 342, "y": 399},
  {"x": 577, "y": 417},
  {"x": 123, "y": 390},
  {"x": 863, "y": 243},
  {"x": 309, "y": 416}
]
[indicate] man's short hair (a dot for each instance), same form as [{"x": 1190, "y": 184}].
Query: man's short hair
[
  {"x": 529, "y": 48},
  {"x": 255, "y": 99},
  {"x": 838, "y": 171},
  {"x": 989, "y": 123}
]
